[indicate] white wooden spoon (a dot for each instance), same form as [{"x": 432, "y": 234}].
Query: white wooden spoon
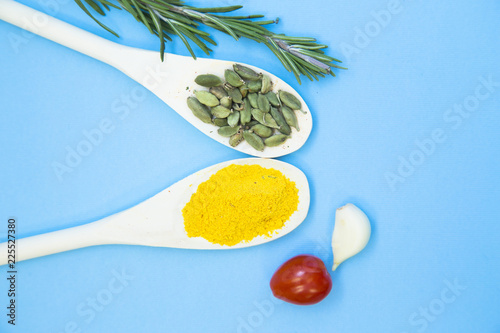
[
  {"x": 158, "y": 221},
  {"x": 169, "y": 80}
]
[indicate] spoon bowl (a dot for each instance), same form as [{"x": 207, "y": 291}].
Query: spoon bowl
[
  {"x": 158, "y": 221},
  {"x": 171, "y": 80}
]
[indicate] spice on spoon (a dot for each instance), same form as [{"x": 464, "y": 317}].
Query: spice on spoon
[
  {"x": 244, "y": 99},
  {"x": 239, "y": 203}
]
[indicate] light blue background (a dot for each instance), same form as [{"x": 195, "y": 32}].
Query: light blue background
[{"x": 438, "y": 226}]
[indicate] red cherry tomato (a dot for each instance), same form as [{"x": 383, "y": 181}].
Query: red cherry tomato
[{"x": 302, "y": 280}]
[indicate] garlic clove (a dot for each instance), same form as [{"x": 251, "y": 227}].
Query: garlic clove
[{"x": 351, "y": 233}]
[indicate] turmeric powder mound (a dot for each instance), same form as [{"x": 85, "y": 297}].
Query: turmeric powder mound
[{"x": 239, "y": 203}]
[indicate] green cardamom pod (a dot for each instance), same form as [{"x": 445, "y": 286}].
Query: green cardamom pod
[
  {"x": 219, "y": 122},
  {"x": 236, "y": 139},
  {"x": 233, "y": 119},
  {"x": 254, "y": 140},
  {"x": 238, "y": 107},
  {"x": 244, "y": 90},
  {"x": 251, "y": 124},
  {"x": 218, "y": 92},
  {"x": 253, "y": 97},
  {"x": 263, "y": 103},
  {"x": 262, "y": 130},
  {"x": 232, "y": 78},
  {"x": 264, "y": 118},
  {"x": 235, "y": 94},
  {"x": 275, "y": 140},
  {"x": 266, "y": 84},
  {"x": 280, "y": 120},
  {"x": 246, "y": 73},
  {"x": 199, "y": 110},
  {"x": 254, "y": 86},
  {"x": 226, "y": 102},
  {"x": 206, "y": 98},
  {"x": 290, "y": 100},
  {"x": 290, "y": 117},
  {"x": 208, "y": 80},
  {"x": 269, "y": 121},
  {"x": 220, "y": 112},
  {"x": 228, "y": 131},
  {"x": 273, "y": 99},
  {"x": 246, "y": 112},
  {"x": 258, "y": 115}
]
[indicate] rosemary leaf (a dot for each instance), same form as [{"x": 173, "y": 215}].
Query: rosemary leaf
[
  {"x": 314, "y": 54},
  {"x": 197, "y": 41},
  {"x": 249, "y": 27},
  {"x": 288, "y": 57},
  {"x": 125, "y": 5},
  {"x": 181, "y": 36},
  {"x": 217, "y": 9},
  {"x": 276, "y": 50},
  {"x": 208, "y": 40},
  {"x": 159, "y": 31},
  {"x": 108, "y": 4},
  {"x": 239, "y": 17},
  {"x": 310, "y": 66},
  {"x": 294, "y": 39},
  {"x": 95, "y": 7},
  {"x": 82, "y": 6},
  {"x": 141, "y": 16},
  {"x": 221, "y": 24}
]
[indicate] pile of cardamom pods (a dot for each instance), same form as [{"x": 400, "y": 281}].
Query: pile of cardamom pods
[{"x": 244, "y": 107}]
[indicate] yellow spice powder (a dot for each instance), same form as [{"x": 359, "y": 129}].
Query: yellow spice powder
[{"x": 239, "y": 203}]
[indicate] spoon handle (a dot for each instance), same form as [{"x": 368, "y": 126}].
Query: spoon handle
[
  {"x": 61, "y": 32},
  {"x": 55, "y": 242},
  {"x": 143, "y": 66}
]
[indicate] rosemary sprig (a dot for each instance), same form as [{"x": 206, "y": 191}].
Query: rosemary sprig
[{"x": 300, "y": 55}]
